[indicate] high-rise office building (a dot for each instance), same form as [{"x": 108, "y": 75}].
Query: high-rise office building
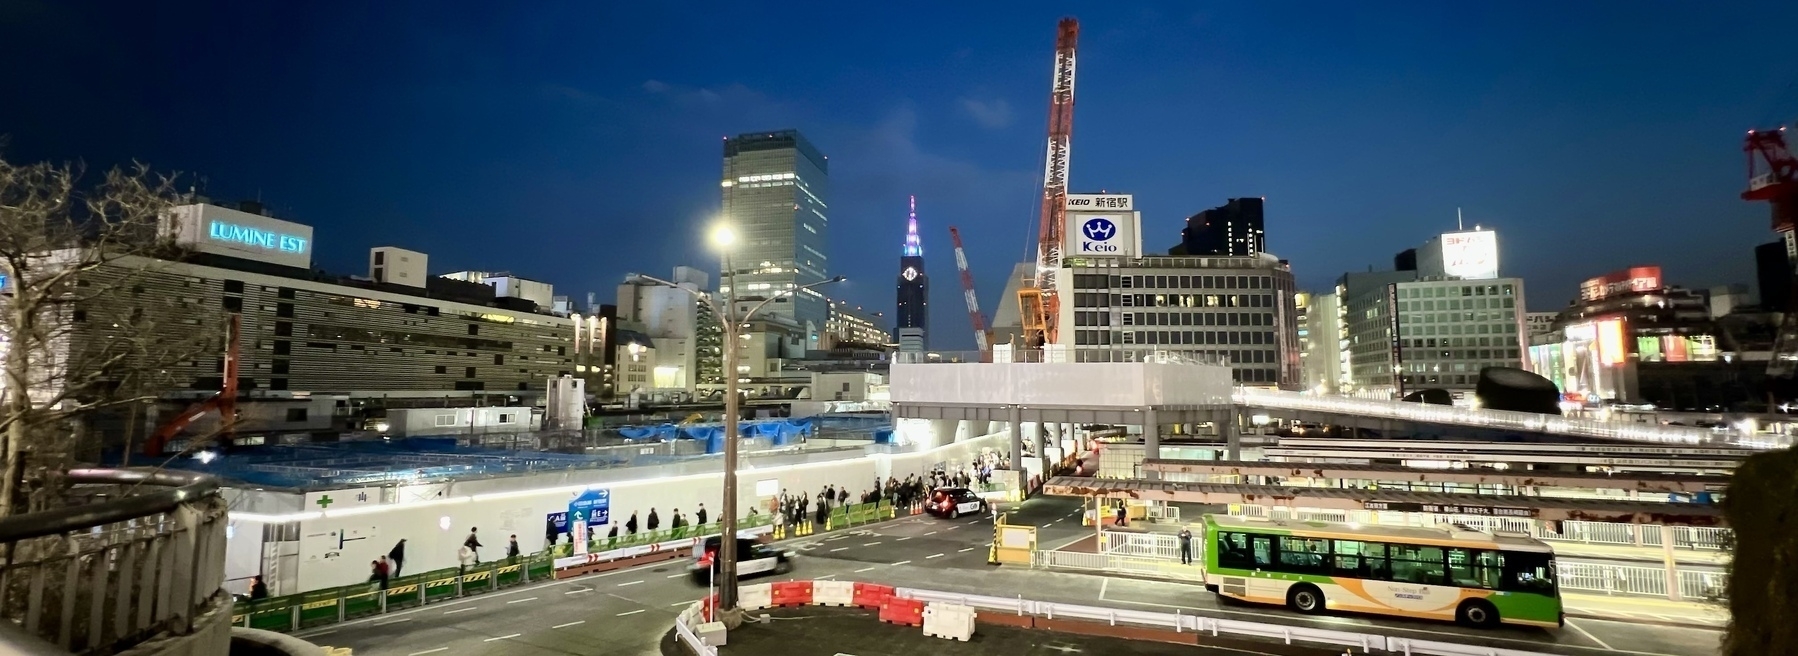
[
  {"x": 774, "y": 186},
  {"x": 914, "y": 289},
  {"x": 1235, "y": 229}
]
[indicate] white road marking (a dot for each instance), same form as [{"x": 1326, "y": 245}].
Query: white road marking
[
  {"x": 952, "y": 528},
  {"x": 578, "y": 591},
  {"x": 932, "y": 533},
  {"x": 838, "y": 549},
  {"x": 632, "y": 612},
  {"x": 504, "y": 637},
  {"x": 520, "y": 601},
  {"x": 403, "y": 619},
  {"x": 826, "y": 576},
  {"x": 903, "y": 539},
  {"x": 1588, "y": 635},
  {"x": 902, "y": 562},
  {"x": 680, "y": 603},
  {"x": 458, "y": 610},
  {"x": 320, "y": 633},
  {"x": 674, "y": 576},
  {"x": 865, "y": 569},
  {"x": 969, "y": 549},
  {"x": 564, "y": 626},
  {"x": 870, "y": 544},
  {"x": 631, "y": 583},
  {"x": 428, "y": 651},
  {"x": 933, "y": 556}
]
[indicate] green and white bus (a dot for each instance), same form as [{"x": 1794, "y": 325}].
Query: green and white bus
[{"x": 1471, "y": 577}]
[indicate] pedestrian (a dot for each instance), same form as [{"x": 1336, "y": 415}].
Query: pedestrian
[
  {"x": 473, "y": 543},
  {"x": 612, "y": 535},
  {"x": 630, "y": 525},
  {"x": 1120, "y": 516},
  {"x": 678, "y": 522},
  {"x": 552, "y": 535},
  {"x": 464, "y": 557},
  {"x": 1185, "y": 546},
  {"x": 398, "y": 556},
  {"x": 654, "y": 521},
  {"x": 842, "y": 495},
  {"x": 699, "y": 515},
  {"x": 258, "y": 589},
  {"x": 378, "y": 571},
  {"x": 512, "y": 549}
]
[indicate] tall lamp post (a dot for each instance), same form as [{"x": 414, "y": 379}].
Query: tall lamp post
[{"x": 722, "y": 238}]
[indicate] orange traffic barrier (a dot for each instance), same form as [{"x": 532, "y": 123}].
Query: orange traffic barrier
[
  {"x": 869, "y": 595},
  {"x": 791, "y": 593},
  {"x": 899, "y": 610}
]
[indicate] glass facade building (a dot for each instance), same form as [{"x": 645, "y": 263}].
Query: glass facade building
[{"x": 775, "y": 187}]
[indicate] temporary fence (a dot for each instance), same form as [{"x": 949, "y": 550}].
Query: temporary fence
[
  {"x": 320, "y": 607},
  {"x": 689, "y": 624}
]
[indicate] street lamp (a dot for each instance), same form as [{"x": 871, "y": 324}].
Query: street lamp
[{"x": 722, "y": 237}]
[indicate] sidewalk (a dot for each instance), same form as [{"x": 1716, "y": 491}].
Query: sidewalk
[
  {"x": 1645, "y": 609},
  {"x": 1652, "y": 555}
]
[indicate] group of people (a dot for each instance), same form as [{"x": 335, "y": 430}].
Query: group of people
[{"x": 553, "y": 532}]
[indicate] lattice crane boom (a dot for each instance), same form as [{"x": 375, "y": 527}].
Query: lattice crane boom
[
  {"x": 982, "y": 339},
  {"x": 1039, "y": 306},
  {"x": 1778, "y": 186}
]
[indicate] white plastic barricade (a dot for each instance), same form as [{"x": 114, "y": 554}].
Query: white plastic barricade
[
  {"x": 833, "y": 593},
  {"x": 755, "y": 597},
  {"x": 951, "y": 621}
]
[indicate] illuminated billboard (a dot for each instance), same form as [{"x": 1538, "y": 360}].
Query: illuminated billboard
[
  {"x": 1633, "y": 280},
  {"x": 1470, "y": 255}
]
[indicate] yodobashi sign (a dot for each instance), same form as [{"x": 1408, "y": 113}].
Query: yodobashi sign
[
  {"x": 1470, "y": 255},
  {"x": 224, "y": 231},
  {"x": 1091, "y": 202}
]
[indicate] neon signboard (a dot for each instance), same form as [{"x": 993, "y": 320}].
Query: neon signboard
[{"x": 256, "y": 237}]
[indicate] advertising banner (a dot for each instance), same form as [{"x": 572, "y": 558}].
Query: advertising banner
[
  {"x": 1114, "y": 234},
  {"x": 1470, "y": 255},
  {"x": 1633, "y": 280}
]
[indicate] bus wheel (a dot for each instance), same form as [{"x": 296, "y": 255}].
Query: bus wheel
[
  {"x": 1477, "y": 613},
  {"x": 1305, "y": 598}
]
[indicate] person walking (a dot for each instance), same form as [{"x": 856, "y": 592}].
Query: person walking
[
  {"x": 612, "y": 535},
  {"x": 512, "y": 549},
  {"x": 474, "y": 543},
  {"x": 654, "y": 521},
  {"x": 677, "y": 523},
  {"x": 258, "y": 589},
  {"x": 398, "y": 556},
  {"x": 378, "y": 571},
  {"x": 842, "y": 495},
  {"x": 1185, "y": 545},
  {"x": 699, "y": 515},
  {"x": 464, "y": 558},
  {"x": 1120, "y": 516},
  {"x": 552, "y": 535},
  {"x": 630, "y": 525}
]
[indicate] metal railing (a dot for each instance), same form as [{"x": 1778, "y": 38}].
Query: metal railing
[
  {"x": 1493, "y": 419},
  {"x": 139, "y": 555}
]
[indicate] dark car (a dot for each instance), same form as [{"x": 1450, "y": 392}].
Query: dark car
[
  {"x": 953, "y": 502},
  {"x": 753, "y": 559}
]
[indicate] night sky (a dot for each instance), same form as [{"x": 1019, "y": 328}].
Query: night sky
[{"x": 577, "y": 142}]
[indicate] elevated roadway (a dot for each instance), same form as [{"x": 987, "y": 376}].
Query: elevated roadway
[
  {"x": 1488, "y": 505},
  {"x": 1515, "y": 478},
  {"x": 1637, "y": 458}
]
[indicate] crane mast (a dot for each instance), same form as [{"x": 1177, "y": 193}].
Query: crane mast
[
  {"x": 1039, "y": 307},
  {"x": 982, "y": 340}
]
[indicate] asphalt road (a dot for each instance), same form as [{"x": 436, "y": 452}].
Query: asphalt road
[{"x": 626, "y": 612}]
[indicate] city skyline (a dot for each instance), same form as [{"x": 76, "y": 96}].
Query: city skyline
[{"x": 433, "y": 139}]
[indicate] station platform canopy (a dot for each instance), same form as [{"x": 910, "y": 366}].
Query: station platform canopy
[{"x": 1637, "y": 481}]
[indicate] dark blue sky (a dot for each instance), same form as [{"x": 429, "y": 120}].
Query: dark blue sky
[{"x": 576, "y": 142}]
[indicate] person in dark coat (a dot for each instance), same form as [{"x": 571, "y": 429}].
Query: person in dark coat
[
  {"x": 612, "y": 535},
  {"x": 398, "y": 557},
  {"x": 842, "y": 495},
  {"x": 654, "y": 521},
  {"x": 699, "y": 515},
  {"x": 258, "y": 589},
  {"x": 551, "y": 535},
  {"x": 378, "y": 572},
  {"x": 512, "y": 548},
  {"x": 474, "y": 543},
  {"x": 630, "y": 525}
]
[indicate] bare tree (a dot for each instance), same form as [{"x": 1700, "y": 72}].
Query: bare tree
[{"x": 78, "y": 339}]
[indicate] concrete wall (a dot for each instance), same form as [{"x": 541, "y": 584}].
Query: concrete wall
[
  {"x": 335, "y": 547},
  {"x": 1086, "y": 384}
]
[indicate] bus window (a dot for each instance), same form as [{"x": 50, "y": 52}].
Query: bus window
[
  {"x": 1527, "y": 571},
  {"x": 1233, "y": 551},
  {"x": 1417, "y": 564},
  {"x": 1473, "y": 568},
  {"x": 1303, "y": 554},
  {"x": 1264, "y": 551}
]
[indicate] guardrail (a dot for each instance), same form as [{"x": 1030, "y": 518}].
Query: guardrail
[
  {"x": 142, "y": 558},
  {"x": 1179, "y": 622}
]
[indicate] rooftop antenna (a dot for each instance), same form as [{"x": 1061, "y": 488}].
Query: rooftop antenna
[{"x": 1458, "y": 224}]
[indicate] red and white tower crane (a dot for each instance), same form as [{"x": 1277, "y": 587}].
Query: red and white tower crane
[
  {"x": 1778, "y": 185},
  {"x": 1038, "y": 305},
  {"x": 982, "y": 339}
]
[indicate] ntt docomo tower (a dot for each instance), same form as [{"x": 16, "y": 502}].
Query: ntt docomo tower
[{"x": 914, "y": 289}]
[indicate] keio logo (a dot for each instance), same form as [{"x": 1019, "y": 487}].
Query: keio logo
[{"x": 1098, "y": 233}]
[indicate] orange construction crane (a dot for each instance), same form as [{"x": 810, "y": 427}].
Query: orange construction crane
[
  {"x": 1039, "y": 308},
  {"x": 224, "y": 402},
  {"x": 982, "y": 339}
]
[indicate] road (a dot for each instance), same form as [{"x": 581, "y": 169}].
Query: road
[{"x": 626, "y": 612}]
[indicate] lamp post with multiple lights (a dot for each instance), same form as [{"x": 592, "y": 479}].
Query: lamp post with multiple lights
[{"x": 722, "y": 238}]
